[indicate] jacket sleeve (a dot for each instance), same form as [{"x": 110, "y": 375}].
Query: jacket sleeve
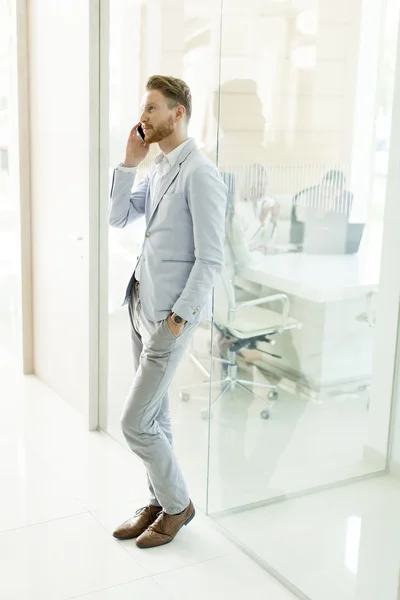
[
  {"x": 126, "y": 206},
  {"x": 206, "y": 196}
]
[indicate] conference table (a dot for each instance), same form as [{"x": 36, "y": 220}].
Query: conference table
[
  {"x": 314, "y": 277},
  {"x": 333, "y": 297}
]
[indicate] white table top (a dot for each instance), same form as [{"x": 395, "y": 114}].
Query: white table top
[{"x": 317, "y": 278}]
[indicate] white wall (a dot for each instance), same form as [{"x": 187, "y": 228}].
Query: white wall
[{"x": 58, "y": 54}]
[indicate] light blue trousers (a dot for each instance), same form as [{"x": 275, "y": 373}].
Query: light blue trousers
[{"x": 145, "y": 419}]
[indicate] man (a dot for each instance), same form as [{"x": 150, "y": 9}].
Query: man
[
  {"x": 183, "y": 200},
  {"x": 320, "y": 201}
]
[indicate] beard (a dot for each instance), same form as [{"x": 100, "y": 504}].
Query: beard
[{"x": 159, "y": 133}]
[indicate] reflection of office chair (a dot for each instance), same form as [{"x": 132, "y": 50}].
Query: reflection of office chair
[{"x": 242, "y": 325}]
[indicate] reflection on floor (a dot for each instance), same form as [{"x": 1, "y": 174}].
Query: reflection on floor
[
  {"x": 304, "y": 444},
  {"x": 8, "y": 337},
  {"x": 341, "y": 544},
  {"x": 64, "y": 489}
]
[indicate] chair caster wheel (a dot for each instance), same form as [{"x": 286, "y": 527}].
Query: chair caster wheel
[
  {"x": 184, "y": 396},
  {"x": 273, "y": 395},
  {"x": 205, "y": 414},
  {"x": 265, "y": 414}
]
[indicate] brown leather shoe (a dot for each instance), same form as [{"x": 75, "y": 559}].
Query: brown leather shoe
[
  {"x": 165, "y": 528},
  {"x": 135, "y": 526}
]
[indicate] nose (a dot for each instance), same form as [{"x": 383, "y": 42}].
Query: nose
[{"x": 143, "y": 117}]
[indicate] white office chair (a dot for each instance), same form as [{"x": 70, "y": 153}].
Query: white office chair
[{"x": 244, "y": 324}]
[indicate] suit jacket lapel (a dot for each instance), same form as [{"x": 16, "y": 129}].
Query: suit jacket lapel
[
  {"x": 169, "y": 178},
  {"x": 165, "y": 184}
]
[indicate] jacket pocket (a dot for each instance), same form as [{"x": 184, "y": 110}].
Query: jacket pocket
[{"x": 166, "y": 326}]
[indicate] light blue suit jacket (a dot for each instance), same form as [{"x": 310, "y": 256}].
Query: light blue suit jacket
[{"x": 182, "y": 253}]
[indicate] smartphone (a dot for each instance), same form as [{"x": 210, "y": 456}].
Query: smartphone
[{"x": 141, "y": 132}]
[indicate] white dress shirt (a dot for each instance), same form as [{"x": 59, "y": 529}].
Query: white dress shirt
[{"x": 163, "y": 164}]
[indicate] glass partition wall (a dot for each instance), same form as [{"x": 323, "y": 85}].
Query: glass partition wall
[
  {"x": 293, "y": 101},
  {"x": 305, "y": 105}
]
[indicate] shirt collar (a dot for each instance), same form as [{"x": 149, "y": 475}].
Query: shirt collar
[{"x": 172, "y": 156}]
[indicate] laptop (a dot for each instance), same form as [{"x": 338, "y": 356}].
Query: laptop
[
  {"x": 332, "y": 235},
  {"x": 354, "y": 236}
]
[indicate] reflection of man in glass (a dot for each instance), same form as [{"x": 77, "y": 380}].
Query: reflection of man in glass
[
  {"x": 238, "y": 110},
  {"x": 183, "y": 200}
]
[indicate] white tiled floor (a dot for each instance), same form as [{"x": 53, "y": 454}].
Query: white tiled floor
[
  {"x": 62, "y": 491},
  {"x": 341, "y": 544}
]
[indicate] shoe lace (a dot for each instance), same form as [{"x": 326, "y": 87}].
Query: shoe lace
[
  {"x": 140, "y": 511},
  {"x": 158, "y": 525}
]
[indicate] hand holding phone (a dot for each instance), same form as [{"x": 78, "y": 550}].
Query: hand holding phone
[{"x": 136, "y": 147}]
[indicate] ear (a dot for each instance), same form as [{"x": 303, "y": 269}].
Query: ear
[{"x": 180, "y": 113}]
